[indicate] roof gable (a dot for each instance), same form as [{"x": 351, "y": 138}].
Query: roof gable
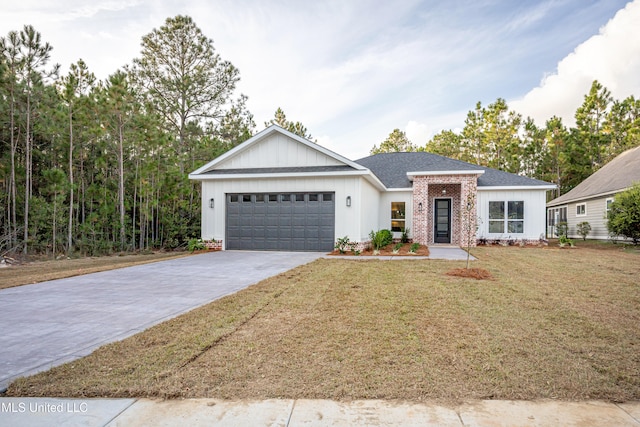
[
  {"x": 276, "y": 148},
  {"x": 617, "y": 175}
]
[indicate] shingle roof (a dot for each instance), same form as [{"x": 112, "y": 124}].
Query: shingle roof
[
  {"x": 392, "y": 168},
  {"x": 617, "y": 175}
]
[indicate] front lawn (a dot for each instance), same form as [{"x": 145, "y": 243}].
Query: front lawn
[{"x": 553, "y": 323}]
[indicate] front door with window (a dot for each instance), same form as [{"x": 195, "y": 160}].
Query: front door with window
[{"x": 442, "y": 221}]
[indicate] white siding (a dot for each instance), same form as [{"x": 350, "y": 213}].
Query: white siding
[
  {"x": 595, "y": 216},
  {"x": 385, "y": 210},
  {"x": 277, "y": 150},
  {"x": 370, "y": 210},
  {"x": 350, "y": 221},
  {"x": 534, "y": 212}
]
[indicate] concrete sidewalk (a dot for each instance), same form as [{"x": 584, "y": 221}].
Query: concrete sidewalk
[{"x": 34, "y": 412}]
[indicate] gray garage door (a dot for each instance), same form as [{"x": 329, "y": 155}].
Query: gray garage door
[{"x": 281, "y": 221}]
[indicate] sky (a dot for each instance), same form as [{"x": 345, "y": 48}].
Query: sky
[{"x": 352, "y": 71}]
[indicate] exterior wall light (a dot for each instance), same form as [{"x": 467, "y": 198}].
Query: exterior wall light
[
  {"x": 348, "y": 201},
  {"x": 211, "y": 203},
  {"x": 420, "y": 207},
  {"x": 444, "y": 191}
]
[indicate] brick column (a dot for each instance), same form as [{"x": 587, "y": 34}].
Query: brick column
[
  {"x": 469, "y": 193},
  {"x": 421, "y": 221}
]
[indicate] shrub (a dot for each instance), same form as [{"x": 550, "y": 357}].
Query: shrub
[
  {"x": 380, "y": 239},
  {"x": 624, "y": 214},
  {"x": 405, "y": 235},
  {"x": 561, "y": 229},
  {"x": 343, "y": 243},
  {"x": 397, "y": 247},
  {"x": 414, "y": 248},
  {"x": 583, "y": 228},
  {"x": 195, "y": 245}
]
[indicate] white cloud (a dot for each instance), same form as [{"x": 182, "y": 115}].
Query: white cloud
[
  {"x": 612, "y": 57},
  {"x": 418, "y": 133}
]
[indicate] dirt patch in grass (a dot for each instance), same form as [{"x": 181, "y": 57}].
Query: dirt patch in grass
[
  {"x": 26, "y": 273},
  {"x": 553, "y": 324},
  {"x": 389, "y": 251},
  {"x": 471, "y": 273}
]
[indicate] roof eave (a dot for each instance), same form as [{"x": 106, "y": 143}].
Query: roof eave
[
  {"x": 413, "y": 174},
  {"x": 545, "y": 187}
]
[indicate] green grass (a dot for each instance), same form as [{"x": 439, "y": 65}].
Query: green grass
[{"x": 552, "y": 324}]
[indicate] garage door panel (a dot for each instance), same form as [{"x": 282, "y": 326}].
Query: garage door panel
[{"x": 280, "y": 221}]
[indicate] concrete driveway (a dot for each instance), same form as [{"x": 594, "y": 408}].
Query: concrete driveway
[{"x": 46, "y": 324}]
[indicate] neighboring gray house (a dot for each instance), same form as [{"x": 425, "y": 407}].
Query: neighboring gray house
[
  {"x": 278, "y": 191},
  {"x": 589, "y": 201}
]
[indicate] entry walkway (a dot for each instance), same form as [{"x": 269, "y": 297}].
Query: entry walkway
[
  {"x": 50, "y": 323},
  {"x": 292, "y": 413}
]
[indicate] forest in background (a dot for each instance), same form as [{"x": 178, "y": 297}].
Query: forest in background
[{"x": 93, "y": 167}]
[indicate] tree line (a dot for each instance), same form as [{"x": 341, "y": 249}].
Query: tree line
[
  {"x": 92, "y": 166},
  {"x": 500, "y": 138}
]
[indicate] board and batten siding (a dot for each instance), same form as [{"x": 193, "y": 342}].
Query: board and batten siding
[
  {"x": 596, "y": 210},
  {"x": 385, "y": 210},
  {"x": 534, "y": 212},
  {"x": 278, "y": 150},
  {"x": 348, "y": 222}
]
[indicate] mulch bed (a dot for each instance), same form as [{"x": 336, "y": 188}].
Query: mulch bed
[
  {"x": 388, "y": 251},
  {"x": 472, "y": 273}
]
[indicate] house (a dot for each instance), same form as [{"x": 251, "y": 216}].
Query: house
[
  {"x": 589, "y": 201},
  {"x": 278, "y": 191}
]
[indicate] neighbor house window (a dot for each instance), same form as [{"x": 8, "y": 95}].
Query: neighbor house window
[
  {"x": 581, "y": 209},
  {"x": 608, "y": 207},
  {"x": 506, "y": 217},
  {"x": 397, "y": 216}
]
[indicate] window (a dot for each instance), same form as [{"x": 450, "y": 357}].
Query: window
[
  {"x": 581, "y": 209},
  {"x": 313, "y": 197},
  {"x": 507, "y": 216},
  {"x": 233, "y": 198},
  {"x": 299, "y": 197},
  {"x": 516, "y": 217},
  {"x": 397, "y": 216},
  {"x": 608, "y": 207},
  {"x": 260, "y": 197},
  {"x": 496, "y": 217},
  {"x": 273, "y": 197},
  {"x": 327, "y": 197},
  {"x": 557, "y": 215},
  {"x": 285, "y": 197},
  {"x": 246, "y": 198}
]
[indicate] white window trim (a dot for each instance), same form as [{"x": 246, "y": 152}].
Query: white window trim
[
  {"x": 585, "y": 209},
  {"x": 505, "y": 221}
]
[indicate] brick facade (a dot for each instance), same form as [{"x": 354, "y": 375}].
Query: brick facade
[
  {"x": 457, "y": 188},
  {"x": 213, "y": 245}
]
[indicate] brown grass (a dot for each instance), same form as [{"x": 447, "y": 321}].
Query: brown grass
[
  {"x": 41, "y": 271},
  {"x": 553, "y": 324},
  {"x": 471, "y": 273}
]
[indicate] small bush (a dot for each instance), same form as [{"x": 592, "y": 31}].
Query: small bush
[
  {"x": 624, "y": 214},
  {"x": 414, "y": 248},
  {"x": 397, "y": 247},
  {"x": 343, "y": 244},
  {"x": 405, "y": 235},
  {"x": 561, "y": 229},
  {"x": 583, "y": 228},
  {"x": 380, "y": 239},
  {"x": 195, "y": 245}
]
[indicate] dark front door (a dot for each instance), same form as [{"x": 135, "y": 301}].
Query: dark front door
[{"x": 442, "y": 221}]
